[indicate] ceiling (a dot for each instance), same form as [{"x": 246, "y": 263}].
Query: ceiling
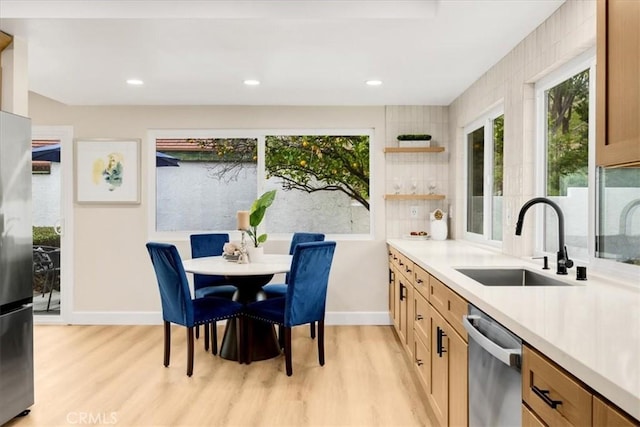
[{"x": 304, "y": 52}]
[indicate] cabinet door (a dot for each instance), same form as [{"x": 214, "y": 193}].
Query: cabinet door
[
  {"x": 391, "y": 290},
  {"x": 529, "y": 419},
  {"x": 458, "y": 377},
  {"x": 606, "y": 415},
  {"x": 439, "y": 387},
  {"x": 618, "y": 84},
  {"x": 396, "y": 299}
]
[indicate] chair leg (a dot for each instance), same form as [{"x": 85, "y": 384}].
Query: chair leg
[
  {"x": 167, "y": 343},
  {"x": 190, "y": 351},
  {"x": 287, "y": 350},
  {"x": 214, "y": 338},
  {"x": 197, "y": 331},
  {"x": 206, "y": 337},
  {"x": 312, "y": 328},
  {"x": 321, "y": 342}
]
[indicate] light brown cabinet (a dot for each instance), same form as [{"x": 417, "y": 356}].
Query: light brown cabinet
[
  {"x": 618, "y": 83},
  {"x": 426, "y": 315},
  {"x": 605, "y": 414}
]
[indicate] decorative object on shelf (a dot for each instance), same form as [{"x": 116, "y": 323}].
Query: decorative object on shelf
[
  {"x": 413, "y": 185},
  {"x": 256, "y": 215},
  {"x": 414, "y": 140},
  {"x": 432, "y": 187},
  {"x": 438, "y": 225},
  {"x": 242, "y": 218},
  {"x": 397, "y": 185}
]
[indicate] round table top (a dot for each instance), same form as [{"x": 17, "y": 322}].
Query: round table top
[{"x": 217, "y": 265}]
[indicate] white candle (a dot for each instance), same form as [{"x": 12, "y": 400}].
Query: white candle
[{"x": 243, "y": 220}]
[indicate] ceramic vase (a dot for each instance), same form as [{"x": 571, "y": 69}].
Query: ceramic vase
[
  {"x": 438, "y": 225},
  {"x": 255, "y": 254}
]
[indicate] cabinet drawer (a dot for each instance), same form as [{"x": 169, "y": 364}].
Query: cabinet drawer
[
  {"x": 529, "y": 419},
  {"x": 421, "y": 281},
  {"x": 422, "y": 324},
  {"x": 605, "y": 414},
  {"x": 554, "y": 396},
  {"x": 450, "y": 305},
  {"x": 405, "y": 265}
]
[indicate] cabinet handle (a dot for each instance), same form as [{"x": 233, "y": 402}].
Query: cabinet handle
[
  {"x": 439, "y": 334},
  {"x": 407, "y": 270},
  {"x": 401, "y": 291},
  {"x": 419, "y": 281},
  {"x": 392, "y": 276},
  {"x": 419, "y": 317},
  {"x": 544, "y": 395},
  {"x": 419, "y": 362},
  {"x": 400, "y": 262}
]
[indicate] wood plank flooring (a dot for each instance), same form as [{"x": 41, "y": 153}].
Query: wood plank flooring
[{"x": 113, "y": 375}]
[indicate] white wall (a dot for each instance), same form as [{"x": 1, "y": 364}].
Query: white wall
[
  {"x": 113, "y": 277},
  {"x": 570, "y": 31}
]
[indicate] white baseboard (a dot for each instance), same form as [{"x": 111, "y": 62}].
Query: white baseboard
[{"x": 155, "y": 318}]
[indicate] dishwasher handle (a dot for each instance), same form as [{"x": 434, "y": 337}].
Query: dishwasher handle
[{"x": 508, "y": 356}]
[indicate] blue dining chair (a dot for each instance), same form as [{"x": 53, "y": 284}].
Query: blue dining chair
[
  {"x": 203, "y": 245},
  {"x": 304, "y": 301},
  {"x": 177, "y": 305},
  {"x": 277, "y": 290}
]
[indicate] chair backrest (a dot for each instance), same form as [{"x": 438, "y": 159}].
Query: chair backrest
[
  {"x": 203, "y": 245},
  {"x": 177, "y": 306},
  {"x": 302, "y": 238},
  {"x": 309, "y": 278}
]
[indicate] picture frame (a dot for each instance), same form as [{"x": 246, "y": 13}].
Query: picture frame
[{"x": 107, "y": 171}]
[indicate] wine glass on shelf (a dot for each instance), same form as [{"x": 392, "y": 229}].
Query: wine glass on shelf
[
  {"x": 432, "y": 187},
  {"x": 397, "y": 185},
  {"x": 413, "y": 185}
]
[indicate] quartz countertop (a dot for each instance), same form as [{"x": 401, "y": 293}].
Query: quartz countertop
[{"x": 591, "y": 329}]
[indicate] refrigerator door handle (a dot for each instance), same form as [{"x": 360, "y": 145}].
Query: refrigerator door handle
[{"x": 508, "y": 356}]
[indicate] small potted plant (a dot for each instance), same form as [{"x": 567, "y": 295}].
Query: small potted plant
[
  {"x": 256, "y": 215},
  {"x": 414, "y": 140}
]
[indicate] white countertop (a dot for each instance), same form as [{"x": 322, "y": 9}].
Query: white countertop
[{"x": 591, "y": 329}]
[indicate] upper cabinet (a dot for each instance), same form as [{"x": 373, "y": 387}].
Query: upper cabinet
[{"x": 618, "y": 83}]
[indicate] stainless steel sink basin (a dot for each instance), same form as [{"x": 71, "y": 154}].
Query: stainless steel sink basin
[{"x": 509, "y": 277}]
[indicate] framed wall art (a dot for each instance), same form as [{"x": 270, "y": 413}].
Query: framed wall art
[{"x": 107, "y": 171}]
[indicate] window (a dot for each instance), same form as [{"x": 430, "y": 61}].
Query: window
[
  {"x": 322, "y": 180},
  {"x": 485, "y": 142},
  {"x": 564, "y": 102}
]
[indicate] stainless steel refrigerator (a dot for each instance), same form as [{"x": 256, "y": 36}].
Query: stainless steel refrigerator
[{"x": 16, "y": 258}]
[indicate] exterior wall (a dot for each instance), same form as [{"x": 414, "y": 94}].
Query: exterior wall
[
  {"x": 570, "y": 31},
  {"x": 113, "y": 278}
]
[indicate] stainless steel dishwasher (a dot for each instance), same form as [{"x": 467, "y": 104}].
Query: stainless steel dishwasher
[{"x": 495, "y": 380}]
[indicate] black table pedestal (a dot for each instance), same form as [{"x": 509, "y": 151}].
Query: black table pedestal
[{"x": 265, "y": 342}]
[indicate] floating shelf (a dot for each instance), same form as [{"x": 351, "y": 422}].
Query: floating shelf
[
  {"x": 413, "y": 149},
  {"x": 414, "y": 196}
]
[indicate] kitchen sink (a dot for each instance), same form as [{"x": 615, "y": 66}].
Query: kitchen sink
[{"x": 509, "y": 277}]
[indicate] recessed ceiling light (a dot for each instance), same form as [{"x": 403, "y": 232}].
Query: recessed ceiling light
[
  {"x": 135, "y": 82},
  {"x": 251, "y": 82},
  {"x": 373, "y": 82}
]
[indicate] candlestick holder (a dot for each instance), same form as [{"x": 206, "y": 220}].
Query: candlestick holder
[{"x": 244, "y": 257}]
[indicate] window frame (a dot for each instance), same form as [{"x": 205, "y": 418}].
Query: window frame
[
  {"x": 486, "y": 120},
  {"x": 260, "y": 135},
  {"x": 585, "y": 61}
]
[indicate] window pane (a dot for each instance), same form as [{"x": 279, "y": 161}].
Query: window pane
[
  {"x": 323, "y": 183},
  {"x": 215, "y": 178},
  {"x": 475, "y": 182},
  {"x": 619, "y": 228},
  {"x": 498, "y": 167},
  {"x": 567, "y": 110}
]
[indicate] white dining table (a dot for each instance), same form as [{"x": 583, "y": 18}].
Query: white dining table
[{"x": 248, "y": 279}]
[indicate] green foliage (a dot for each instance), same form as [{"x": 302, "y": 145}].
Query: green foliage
[
  {"x": 45, "y": 236},
  {"x": 313, "y": 163},
  {"x": 498, "y": 155},
  {"x": 256, "y": 215},
  {"x": 414, "y": 137},
  {"x": 568, "y": 134}
]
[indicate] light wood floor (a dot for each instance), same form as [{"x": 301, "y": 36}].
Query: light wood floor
[{"x": 113, "y": 375}]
